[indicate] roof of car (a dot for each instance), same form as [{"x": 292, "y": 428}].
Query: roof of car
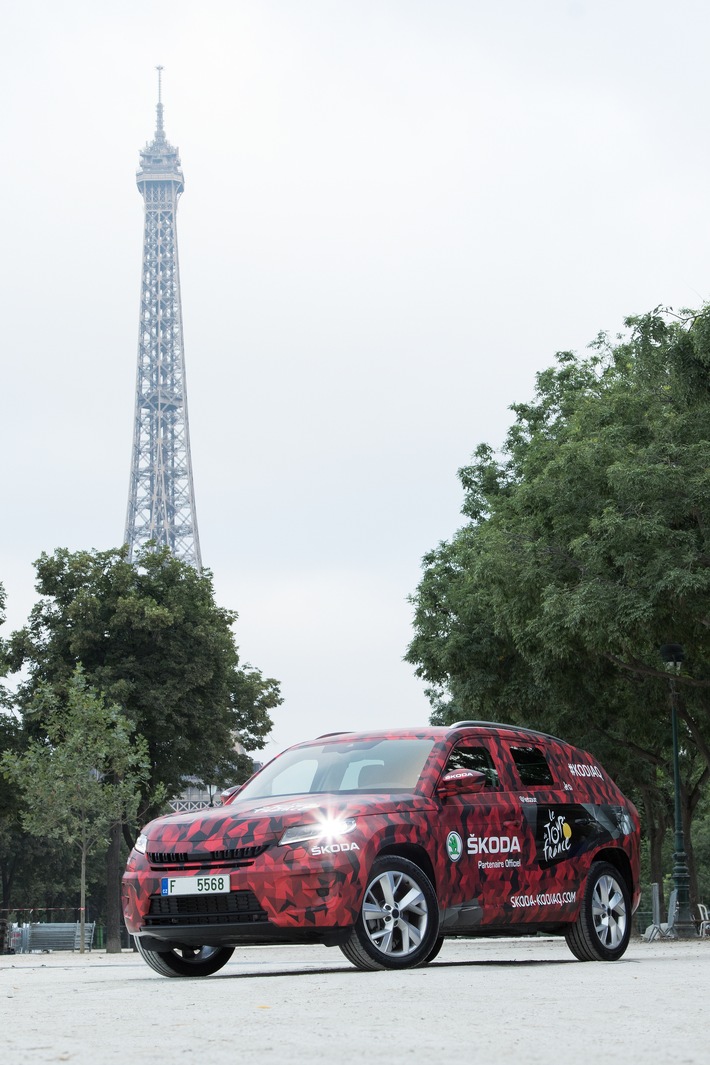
[
  {"x": 507, "y": 728},
  {"x": 441, "y": 731}
]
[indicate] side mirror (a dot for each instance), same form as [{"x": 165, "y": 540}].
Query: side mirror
[
  {"x": 461, "y": 782},
  {"x": 228, "y": 794}
]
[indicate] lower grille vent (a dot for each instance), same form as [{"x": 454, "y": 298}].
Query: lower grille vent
[{"x": 239, "y": 907}]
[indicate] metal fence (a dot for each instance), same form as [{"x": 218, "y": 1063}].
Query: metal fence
[{"x": 41, "y": 936}]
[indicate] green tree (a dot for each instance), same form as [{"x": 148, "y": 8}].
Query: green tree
[
  {"x": 11, "y": 832},
  {"x": 35, "y": 875},
  {"x": 3, "y": 651},
  {"x": 701, "y": 844},
  {"x": 83, "y": 777},
  {"x": 10, "y": 828},
  {"x": 151, "y": 638},
  {"x": 586, "y": 548}
]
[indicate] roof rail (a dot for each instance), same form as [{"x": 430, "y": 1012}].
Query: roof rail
[
  {"x": 489, "y": 724},
  {"x": 500, "y": 724},
  {"x": 326, "y": 735}
]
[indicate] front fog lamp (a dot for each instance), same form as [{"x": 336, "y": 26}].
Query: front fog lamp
[
  {"x": 318, "y": 830},
  {"x": 141, "y": 843}
]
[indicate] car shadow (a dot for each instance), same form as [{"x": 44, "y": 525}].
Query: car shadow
[{"x": 352, "y": 971}]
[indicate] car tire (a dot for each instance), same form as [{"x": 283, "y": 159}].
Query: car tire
[
  {"x": 398, "y": 923},
  {"x": 198, "y": 961},
  {"x": 433, "y": 952},
  {"x": 603, "y": 928}
]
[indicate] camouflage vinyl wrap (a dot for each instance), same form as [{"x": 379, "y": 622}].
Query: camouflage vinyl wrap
[{"x": 510, "y": 857}]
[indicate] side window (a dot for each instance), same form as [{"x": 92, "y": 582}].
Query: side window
[
  {"x": 465, "y": 756},
  {"x": 532, "y": 766}
]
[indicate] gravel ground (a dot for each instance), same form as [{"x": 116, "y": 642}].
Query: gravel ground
[{"x": 498, "y": 1001}]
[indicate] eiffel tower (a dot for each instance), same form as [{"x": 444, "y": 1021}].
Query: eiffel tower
[{"x": 161, "y": 499}]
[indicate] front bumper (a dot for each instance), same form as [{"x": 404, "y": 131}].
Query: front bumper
[{"x": 284, "y": 895}]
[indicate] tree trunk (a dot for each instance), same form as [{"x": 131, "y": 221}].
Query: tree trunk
[
  {"x": 656, "y": 829},
  {"x": 113, "y": 890},
  {"x": 82, "y": 901},
  {"x": 7, "y": 872}
]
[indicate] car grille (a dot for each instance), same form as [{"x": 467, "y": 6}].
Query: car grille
[
  {"x": 239, "y": 907},
  {"x": 178, "y": 858}
]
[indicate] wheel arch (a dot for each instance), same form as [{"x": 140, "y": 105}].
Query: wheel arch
[
  {"x": 620, "y": 860},
  {"x": 413, "y": 853}
]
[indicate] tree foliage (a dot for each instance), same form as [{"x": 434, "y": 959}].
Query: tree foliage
[
  {"x": 4, "y": 702},
  {"x": 151, "y": 638},
  {"x": 82, "y": 777},
  {"x": 12, "y": 834},
  {"x": 587, "y": 548}
]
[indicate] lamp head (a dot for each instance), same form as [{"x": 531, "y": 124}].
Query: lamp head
[{"x": 672, "y": 654}]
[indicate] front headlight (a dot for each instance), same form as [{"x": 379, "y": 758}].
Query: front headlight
[
  {"x": 141, "y": 843},
  {"x": 326, "y": 829}
]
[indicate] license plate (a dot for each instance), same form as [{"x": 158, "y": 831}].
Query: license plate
[{"x": 195, "y": 885}]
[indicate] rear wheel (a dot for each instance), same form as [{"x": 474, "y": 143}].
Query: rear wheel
[
  {"x": 197, "y": 961},
  {"x": 398, "y": 924},
  {"x": 602, "y": 930}
]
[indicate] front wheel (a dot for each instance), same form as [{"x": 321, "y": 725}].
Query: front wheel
[
  {"x": 197, "y": 961},
  {"x": 602, "y": 930},
  {"x": 433, "y": 953},
  {"x": 398, "y": 923}
]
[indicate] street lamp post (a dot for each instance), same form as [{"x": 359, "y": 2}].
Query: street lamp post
[{"x": 673, "y": 655}]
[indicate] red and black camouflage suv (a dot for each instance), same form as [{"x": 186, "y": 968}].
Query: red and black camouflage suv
[{"x": 384, "y": 844}]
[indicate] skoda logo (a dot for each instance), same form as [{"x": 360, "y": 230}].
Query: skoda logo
[{"x": 454, "y": 846}]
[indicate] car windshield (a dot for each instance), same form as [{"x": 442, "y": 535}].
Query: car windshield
[{"x": 342, "y": 766}]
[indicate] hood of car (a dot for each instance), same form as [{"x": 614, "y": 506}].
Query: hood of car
[{"x": 259, "y": 822}]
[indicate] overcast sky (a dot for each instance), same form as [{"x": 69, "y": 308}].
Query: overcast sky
[{"x": 395, "y": 212}]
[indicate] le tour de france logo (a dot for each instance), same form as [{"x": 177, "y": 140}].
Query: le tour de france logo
[{"x": 556, "y": 836}]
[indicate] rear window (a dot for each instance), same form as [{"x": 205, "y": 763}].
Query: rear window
[{"x": 532, "y": 766}]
